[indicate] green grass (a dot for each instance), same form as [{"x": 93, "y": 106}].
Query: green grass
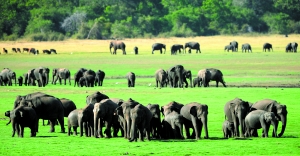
[{"x": 251, "y": 77}]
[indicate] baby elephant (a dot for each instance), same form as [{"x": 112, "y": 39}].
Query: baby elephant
[
  {"x": 246, "y": 47},
  {"x": 197, "y": 81},
  {"x": 228, "y": 129},
  {"x": 73, "y": 122},
  {"x": 173, "y": 123},
  {"x": 260, "y": 119}
]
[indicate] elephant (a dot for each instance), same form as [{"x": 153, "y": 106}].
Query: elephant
[
  {"x": 104, "y": 112},
  {"x": 41, "y": 74},
  {"x": 130, "y": 79},
  {"x": 260, "y": 119},
  {"x": 7, "y": 76},
  {"x": 211, "y": 74},
  {"x": 141, "y": 117},
  {"x": 288, "y": 47},
  {"x": 82, "y": 82},
  {"x": 117, "y": 45},
  {"x": 197, "y": 82},
  {"x": 229, "y": 47},
  {"x": 204, "y": 75},
  {"x": 46, "y": 106},
  {"x": 172, "y": 125},
  {"x": 59, "y": 74},
  {"x": 20, "y": 80},
  {"x": 235, "y": 111},
  {"x": 294, "y": 46},
  {"x": 25, "y": 49},
  {"x": 4, "y": 51},
  {"x": 136, "y": 50},
  {"x": 19, "y": 50},
  {"x": 228, "y": 129},
  {"x": 192, "y": 45},
  {"x": 78, "y": 75},
  {"x": 158, "y": 46},
  {"x": 89, "y": 76},
  {"x": 175, "y": 48},
  {"x": 86, "y": 120},
  {"x": 155, "y": 123},
  {"x": 278, "y": 109},
  {"x": 21, "y": 117},
  {"x": 161, "y": 78},
  {"x": 29, "y": 80},
  {"x": 187, "y": 74},
  {"x": 175, "y": 74},
  {"x": 53, "y": 51},
  {"x": 14, "y": 50},
  {"x": 267, "y": 46},
  {"x": 95, "y": 98},
  {"x": 46, "y": 51},
  {"x": 100, "y": 75},
  {"x": 235, "y": 44},
  {"x": 172, "y": 106},
  {"x": 246, "y": 47},
  {"x": 73, "y": 122},
  {"x": 195, "y": 117}
]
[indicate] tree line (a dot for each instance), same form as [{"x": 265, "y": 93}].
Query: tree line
[{"x": 41, "y": 20}]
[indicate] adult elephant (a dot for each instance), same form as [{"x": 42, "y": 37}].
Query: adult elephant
[
  {"x": 7, "y": 76},
  {"x": 158, "y": 46},
  {"x": 278, "y": 109},
  {"x": 59, "y": 74},
  {"x": 235, "y": 111},
  {"x": 86, "y": 120},
  {"x": 155, "y": 123},
  {"x": 161, "y": 78},
  {"x": 195, "y": 117},
  {"x": 229, "y": 47},
  {"x": 175, "y": 74},
  {"x": 288, "y": 47},
  {"x": 267, "y": 46},
  {"x": 294, "y": 47},
  {"x": 89, "y": 76},
  {"x": 41, "y": 74},
  {"x": 246, "y": 47},
  {"x": 235, "y": 44},
  {"x": 175, "y": 48},
  {"x": 187, "y": 74},
  {"x": 216, "y": 75},
  {"x": 95, "y": 98},
  {"x": 204, "y": 75},
  {"x": 117, "y": 45},
  {"x": 46, "y": 106},
  {"x": 78, "y": 75},
  {"x": 192, "y": 45},
  {"x": 100, "y": 75},
  {"x": 130, "y": 76}
]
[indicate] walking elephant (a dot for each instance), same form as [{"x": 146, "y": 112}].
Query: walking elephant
[
  {"x": 117, "y": 45},
  {"x": 228, "y": 129},
  {"x": 130, "y": 79},
  {"x": 267, "y": 46},
  {"x": 192, "y": 45},
  {"x": 161, "y": 78},
  {"x": 73, "y": 122},
  {"x": 235, "y": 44},
  {"x": 86, "y": 120},
  {"x": 260, "y": 119},
  {"x": 41, "y": 74},
  {"x": 100, "y": 75},
  {"x": 278, "y": 109},
  {"x": 95, "y": 98},
  {"x": 78, "y": 75},
  {"x": 59, "y": 74},
  {"x": 175, "y": 48},
  {"x": 158, "y": 46},
  {"x": 211, "y": 74},
  {"x": 204, "y": 75},
  {"x": 7, "y": 76},
  {"x": 155, "y": 123},
  {"x": 195, "y": 117},
  {"x": 175, "y": 74},
  {"x": 235, "y": 111},
  {"x": 229, "y": 47},
  {"x": 246, "y": 47}
]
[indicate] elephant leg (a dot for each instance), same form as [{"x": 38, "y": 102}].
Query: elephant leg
[
  {"x": 75, "y": 130},
  {"x": 52, "y": 124},
  {"x": 108, "y": 129},
  {"x": 187, "y": 132}
]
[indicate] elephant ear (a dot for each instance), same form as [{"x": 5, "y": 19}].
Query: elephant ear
[
  {"x": 193, "y": 111},
  {"x": 268, "y": 116}
]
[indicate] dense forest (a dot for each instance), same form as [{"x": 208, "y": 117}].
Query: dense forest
[{"x": 42, "y": 20}]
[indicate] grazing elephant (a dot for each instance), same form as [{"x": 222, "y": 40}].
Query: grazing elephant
[
  {"x": 89, "y": 76},
  {"x": 59, "y": 74},
  {"x": 95, "y": 98},
  {"x": 46, "y": 51},
  {"x": 187, "y": 74},
  {"x": 195, "y": 117},
  {"x": 158, "y": 46},
  {"x": 267, "y": 46},
  {"x": 235, "y": 44},
  {"x": 278, "y": 109},
  {"x": 246, "y": 47},
  {"x": 204, "y": 75},
  {"x": 46, "y": 106},
  {"x": 7, "y": 76},
  {"x": 104, "y": 112},
  {"x": 197, "y": 82},
  {"x": 21, "y": 117},
  {"x": 100, "y": 75},
  {"x": 229, "y": 47},
  {"x": 86, "y": 120},
  {"x": 260, "y": 119},
  {"x": 175, "y": 74},
  {"x": 228, "y": 129},
  {"x": 14, "y": 50},
  {"x": 175, "y": 48},
  {"x": 53, "y": 51},
  {"x": 20, "y": 80},
  {"x": 78, "y": 75},
  {"x": 155, "y": 123},
  {"x": 141, "y": 118},
  {"x": 192, "y": 45},
  {"x": 136, "y": 50},
  {"x": 172, "y": 125},
  {"x": 161, "y": 78},
  {"x": 41, "y": 74},
  {"x": 117, "y": 45},
  {"x": 73, "y": 122},
  {"x": 130, "y": 79},
  {"x": 236, "y": 111}
]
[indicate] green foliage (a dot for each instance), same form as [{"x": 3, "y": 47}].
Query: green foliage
[{"x": 277, "y": 22}]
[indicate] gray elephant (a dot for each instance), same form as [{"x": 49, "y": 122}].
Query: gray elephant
[
  {"x": 161, "y": 78},
  {"x": 89, "y": 76},
  {"x": 192, "y": 45},
  {"x": 82, "y": 82},
  {"x": 278, "y": 109},
  {"x": 175, "y": 48},
  {"x": 29, "y": 80},
  {"x": 211, "y": 74},
  {"x": 291, "y": 47},
  {"x": 197, "y": 82},
  {"x": 95, "y": 98},
  {"x": 46, "y": 106},
  {"x": 7, "y": 76},
  {"x": 229, "y": 47},
  {"x": 73, "y": 122},
  {"x": 20, "y": 80},
  {"x": 172, "y": 106},
  {"x": 130, "y": 79},
  {"x": 187, "y": 74},
  {"x": 41, "y": 74},
  {"x": 204, "y": 75},
  {"x": 246, "y": 47},
  {"x": 175, "y": 74},
  {"x": 158, "y": 46},
  {"x": 78, "y": 75},
  {"x": 195, "y": 117},
  {"x": 22, "y": 117},
  {"x": 86, "y": 120},
  {"x": 235, "y": 44},
  {"x": 260, "y": 119},
  {"x": 59, "y": 74},
  {"x": 117, "y": 45},
  {"x": 155, "y": 123},
  {"x": 100, "y": 75},
  {"x": 267, "y": 46},
  {"x": 235, "y": 111},
  {"x": 172, "y": 124},
  {"x": 141, "y": 118},
  {"x": 228, "y": 129},
  {"x": 104, "y": 112},
  {"x": 136, "y": 50}
]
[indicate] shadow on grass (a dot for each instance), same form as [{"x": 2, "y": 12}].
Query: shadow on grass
[{"x": 46, "y": 136}]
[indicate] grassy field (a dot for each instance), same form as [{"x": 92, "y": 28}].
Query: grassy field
[{"x": 251, "y": 77}]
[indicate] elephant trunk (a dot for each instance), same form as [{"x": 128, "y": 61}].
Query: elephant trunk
[
  {"x": 53, "y": 76},
  {"x": 242, "y": 123},
  {"x": 96, "y": 125},
  {"x": 133, "y": 131},
  {"x": 191, "y": 81},
  {"x": 128, "y": 120},
  {"x": 47, "y": 79},
  {"x": 14, "y": 127},
  {"x": 180, "y": 77},
  {"x": 81, "y": 126},
  {"x": 283, "y": 121},
  {"x": 204, "y": 122}
]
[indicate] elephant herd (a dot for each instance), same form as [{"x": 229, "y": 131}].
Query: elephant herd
[
  {"x": 106, "y": 117},
  {"x": 29, "y": 51}
]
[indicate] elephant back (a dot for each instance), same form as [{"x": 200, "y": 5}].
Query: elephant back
[{"x": 95, "y": 97}]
